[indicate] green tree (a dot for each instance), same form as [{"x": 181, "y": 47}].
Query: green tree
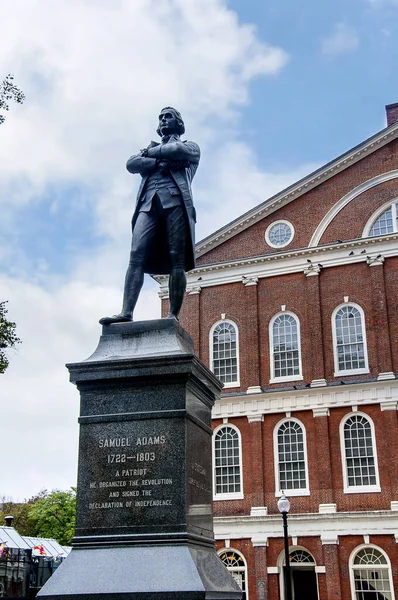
[
  {"x": 9, "y": 91},
  {"x": 8, "y": 337},
  {"x": 20, "y": 511},
  {"x": 53, "y": 515}
]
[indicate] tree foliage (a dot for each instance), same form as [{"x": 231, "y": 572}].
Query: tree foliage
[
  {"x": 20, "y": 512},
  {"x": 8, "y": 337},
  {"x": 53, "y": 516},
  {"x": 48, "y": 515},
  {"x": 9, "y": 91}
]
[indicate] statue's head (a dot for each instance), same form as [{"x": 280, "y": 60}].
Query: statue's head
[{"x": 170, "y": 121}]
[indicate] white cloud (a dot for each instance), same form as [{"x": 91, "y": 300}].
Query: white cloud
[
  {"x": 95, "y": 74},
  {"x": 236, "y": 184},
  {"x": 342, "y": 40},
  {"x": 39, "y": 406}
]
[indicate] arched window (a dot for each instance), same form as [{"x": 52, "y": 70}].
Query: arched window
[
  {"x": 370, "y": 573},
  {"x": 349, "y": 340},
  {"x": 224, "y": 353},
  {"x": 359, "y": 454},
  {"x": 383, "y": 221},
  {"x": 236, "y": 565},
  {"x": 285, "y": 350},
  {"x": 291, "y": 469},
  {"x": 227, "y": 463},
  {"x": 300, "y": 557}
]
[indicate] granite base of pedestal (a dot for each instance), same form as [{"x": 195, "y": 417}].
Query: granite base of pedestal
[
  {"x": 142, "y": 573},
  {"x": 144, "y": 524}
]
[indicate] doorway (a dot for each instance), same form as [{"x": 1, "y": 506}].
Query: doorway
[
  {"x": 304, "y": 584},
  {"x": 303, "y": 576}
]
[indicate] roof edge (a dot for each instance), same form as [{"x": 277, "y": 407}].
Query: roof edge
[{"x": 295, "y": 190}]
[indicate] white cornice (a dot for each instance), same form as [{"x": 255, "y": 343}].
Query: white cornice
[
  {"x": 294, "y": 191},
  {"x": 285, "y": 263},
  {"x": 329, "y": 526},
  {"x": 315, "y": 399}
]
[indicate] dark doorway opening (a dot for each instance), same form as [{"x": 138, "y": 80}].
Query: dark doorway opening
[{"x": 304, "y": 584}]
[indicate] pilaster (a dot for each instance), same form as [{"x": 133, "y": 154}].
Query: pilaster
[
  {"x": 322, "y": 445},
  {"x": 260, "y": 567},
  {"x": 388, "y": 448},
  {"x": 257, "y": 463},
  {"x": 380, "y": 315},
  {"x": 331, "y": 562},
  {"x": 164, "y": 301},
  {"x": 194, "y": 294},
  {"x": 252, "y": 354},
  {"x": 316, "y": 363}
]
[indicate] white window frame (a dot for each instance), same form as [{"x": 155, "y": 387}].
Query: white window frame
[
  {"x": 358, "y": 489},
  {"x": 362, "y": 370},
  {"x": 352, "y": 567},
  {"x": 230, "y": 384},
  {"x": 278, "y": 222},
  {"x": 274, "y": 379},
  {"x": 290, "y": 492},
  {"x": 229, "y": 495},
  {"x": 378, "y": 213},
  {"x": 238, "y": 569}
]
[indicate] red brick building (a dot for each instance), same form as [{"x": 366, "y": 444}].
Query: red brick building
[{"x": 294, "y": 306}]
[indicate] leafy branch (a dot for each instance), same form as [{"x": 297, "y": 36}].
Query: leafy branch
[
  {"x": 8, "y": 337},
  {"x": 9, "y": 91}
]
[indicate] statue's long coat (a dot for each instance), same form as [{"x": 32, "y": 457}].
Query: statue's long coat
[{"x": 158, "y": 261}]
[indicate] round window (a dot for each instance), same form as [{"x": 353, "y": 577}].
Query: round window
[{"x": 279, "y": 234}]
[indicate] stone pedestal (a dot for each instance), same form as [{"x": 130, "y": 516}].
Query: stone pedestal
[{"x": 144, "y": 525}]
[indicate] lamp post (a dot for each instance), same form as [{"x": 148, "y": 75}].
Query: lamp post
[{"x": 284, "y": 507}]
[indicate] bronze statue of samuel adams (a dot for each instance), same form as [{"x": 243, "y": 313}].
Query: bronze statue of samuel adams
[{"x": 164, "y": 219}]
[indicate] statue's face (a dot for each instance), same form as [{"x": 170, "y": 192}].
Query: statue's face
[{"x": 168, "y": 123}]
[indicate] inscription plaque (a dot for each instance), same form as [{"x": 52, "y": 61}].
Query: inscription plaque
[{"x": 128, "y": 477}]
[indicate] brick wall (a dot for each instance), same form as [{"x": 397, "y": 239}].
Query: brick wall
[
  {"x": 351, "y": 220},
  {"x": 392, "y": 113},
  {"x": 386, "y": 435},
  {"x": 291, "y": 290}
]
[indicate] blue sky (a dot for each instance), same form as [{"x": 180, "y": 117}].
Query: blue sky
[
  {"x": 331, "y": 93},
  {"x": 270, "y": 90}
]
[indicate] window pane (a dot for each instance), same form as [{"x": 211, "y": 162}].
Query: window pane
[
  {"x": 291, "y": 459},
  {"x": 301, "y": 556},
  {"x": 371, "y": 575},
  {"x": 280, "y": 234},
  {"x": 349, "y": 335},
  {"x": 236, "y": 566},
  {"x": 285, "y": 346},
  {"x": 227, "y": 461},
  {"x": 384, "y": 224},
  {"x": 225, "y": 364},
  {"x": 359, "y": 452}
]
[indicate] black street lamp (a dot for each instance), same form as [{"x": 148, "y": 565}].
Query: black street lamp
[{"x": 284, "y": 507}]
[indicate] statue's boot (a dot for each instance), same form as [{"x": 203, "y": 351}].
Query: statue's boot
[
  {"x": 171, "y": 316},
  {"x": 121, "y": 318}
]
